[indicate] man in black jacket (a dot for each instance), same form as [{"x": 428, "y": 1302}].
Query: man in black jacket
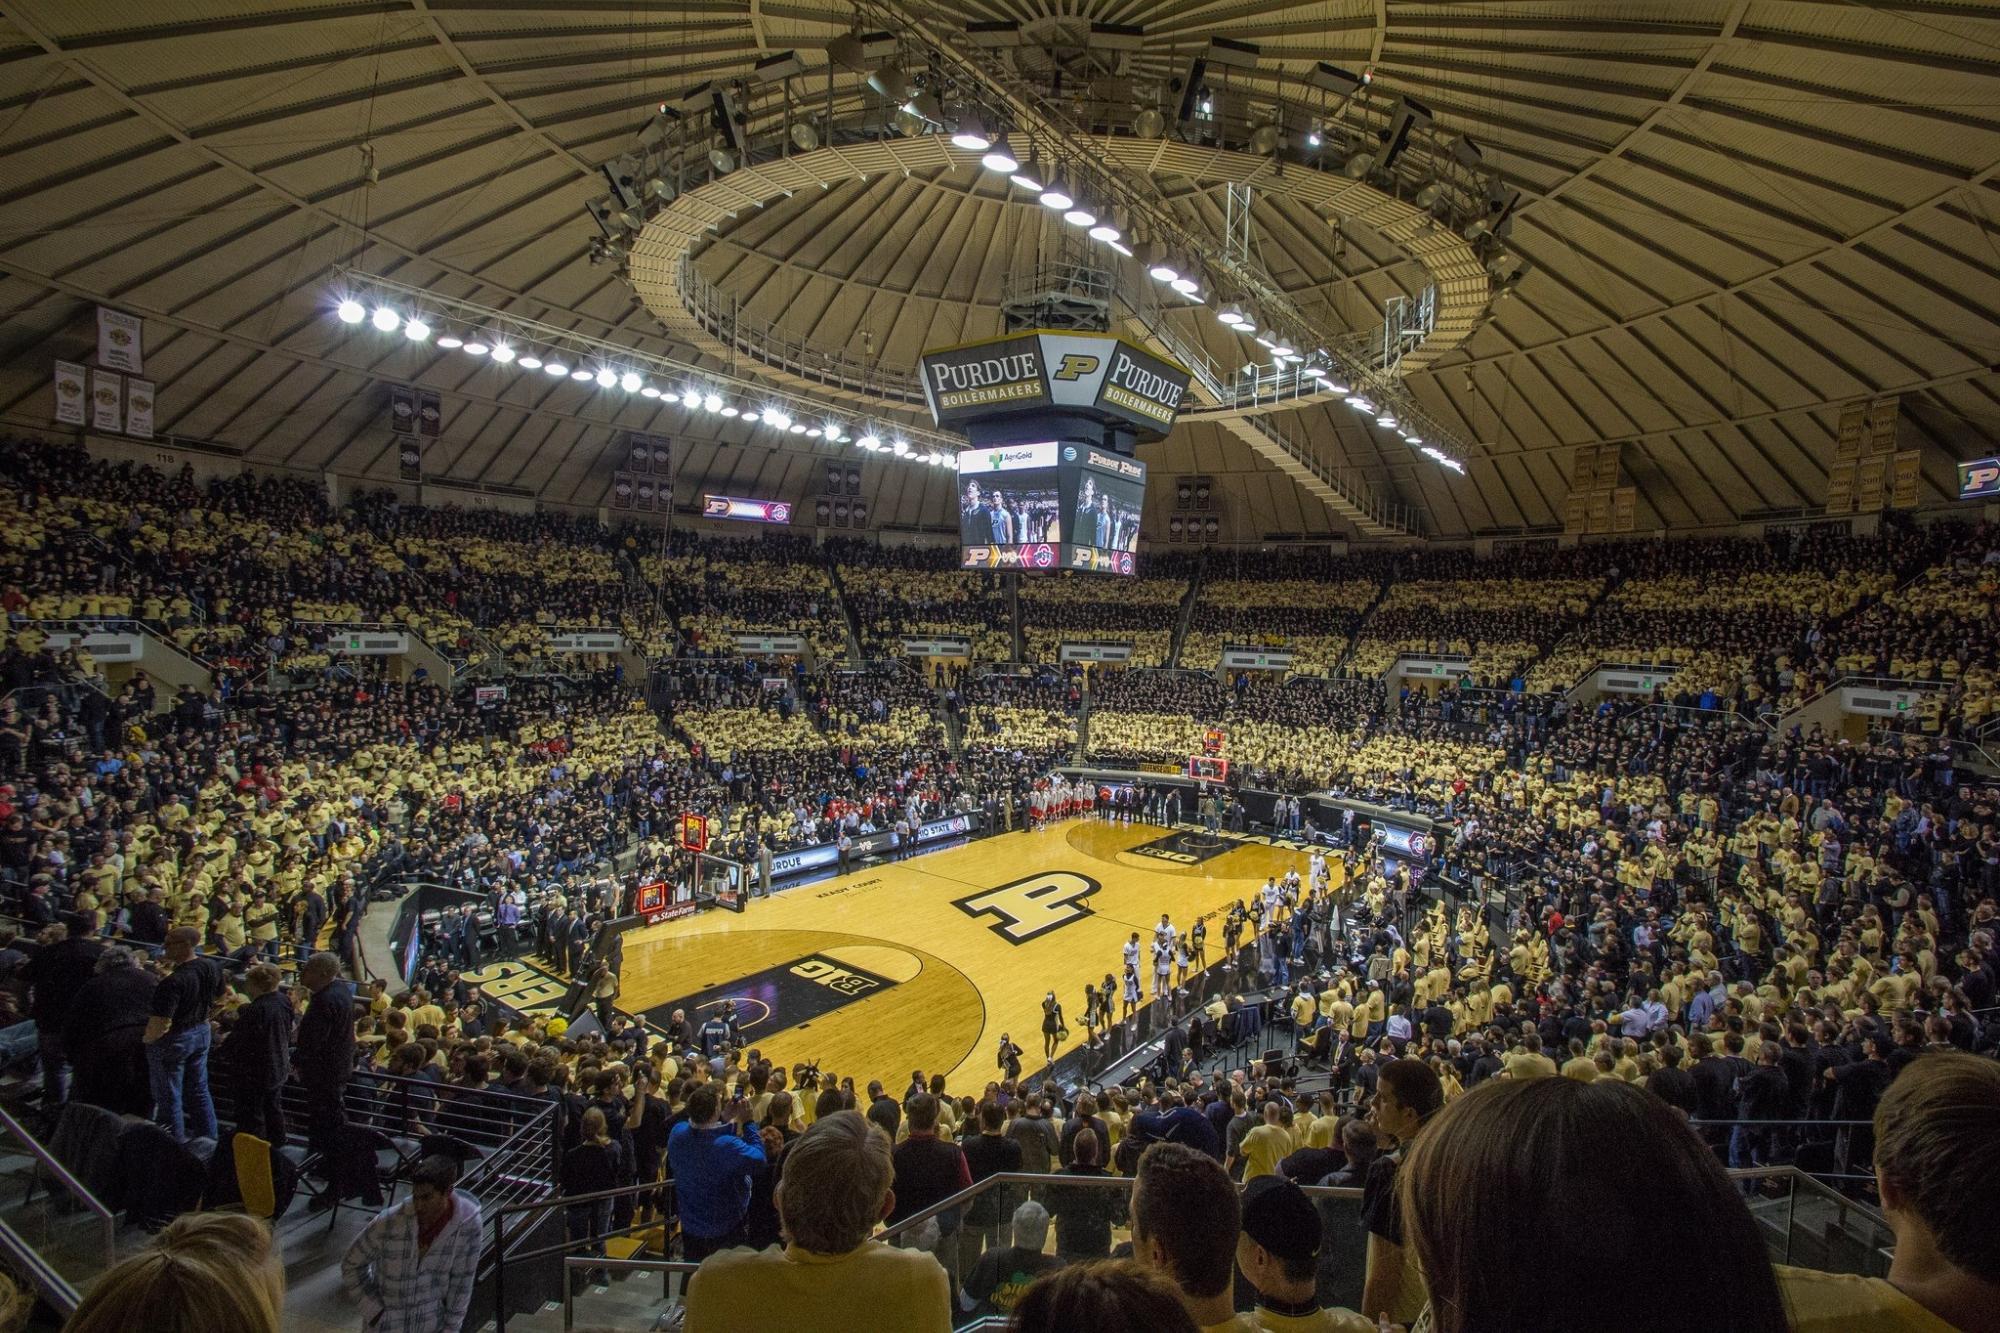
[
  {"x": 54, "y": 976},
  {"x": 987, "y": 1153},
  {"x": 325, "y": 1050},
  {"x": 260, "y": 1055}
]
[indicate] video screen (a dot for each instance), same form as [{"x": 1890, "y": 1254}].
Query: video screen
[
  {"x": 1103, "y": 496},
  {"x": 1009, "y": 507},
  {"x": 751, "y": 511}
]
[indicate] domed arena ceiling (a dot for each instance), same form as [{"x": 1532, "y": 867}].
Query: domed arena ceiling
[{"x": 1708, "y": 226}]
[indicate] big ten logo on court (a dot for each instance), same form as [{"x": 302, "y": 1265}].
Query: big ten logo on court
[
  {"x": 1032, "y": 907},
  {"x": 835, "y": 977},
  {"x": 520, "y": 987},
  {"x": 1075, "y": 365}
]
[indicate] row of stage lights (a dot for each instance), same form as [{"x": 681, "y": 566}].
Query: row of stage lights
[
  {"x": 1178, "y": 275},
  {"x": 693, "y": 397}
]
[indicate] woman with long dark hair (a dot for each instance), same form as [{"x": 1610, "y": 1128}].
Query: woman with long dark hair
[{"x": 1518, "y": 1170}]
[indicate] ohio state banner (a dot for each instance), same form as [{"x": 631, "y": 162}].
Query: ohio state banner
[
  {"x": 118, "y": 341},
  {"x": 139, "y": 408},
  {"x": 72, "y": 392},
  {"x": 107, "y": 401}
]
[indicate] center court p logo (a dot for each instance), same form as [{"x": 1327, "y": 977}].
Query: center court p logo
[{"x": 1030, "y": 908}]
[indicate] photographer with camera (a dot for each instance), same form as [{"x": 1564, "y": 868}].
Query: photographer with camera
[{"x": 712, "y": 1165}]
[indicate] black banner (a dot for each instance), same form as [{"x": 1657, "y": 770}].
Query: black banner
[
  {"x": 430, "y": 413},
  {"x": 402, "y": 410},
  {"x": 410, "y": 457}
]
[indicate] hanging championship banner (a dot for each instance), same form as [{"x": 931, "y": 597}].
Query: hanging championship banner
[
  {"x": 430, "y": 413},
  {"x": 402, "y": 410},
  {"x": 107, "y": 401},
  {"x": 118, "y": 346},
  {"x": 70, "y": 393},
  {"x": 409, "y": 458},
  {"x": 139, "y": 409}
]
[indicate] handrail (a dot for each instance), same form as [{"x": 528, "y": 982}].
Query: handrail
[
  {"x": 105, "y": 1217},
  {"x": 27, "y": 1261}
]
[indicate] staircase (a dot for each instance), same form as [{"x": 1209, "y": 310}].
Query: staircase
[
  {"x": 1186, "y": 617},
  {"x": 850, "y": 625},
  {"x": 1082, "y": 722},
  {"x": 1282, "y": 442},
  {"x": 954, "y": 729},
  {"x": 1361, "y": 626},
  {"x": 1020, "y": 638}
]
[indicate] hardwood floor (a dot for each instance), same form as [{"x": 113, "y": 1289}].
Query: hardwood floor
[{"x": 924, "y": 963}]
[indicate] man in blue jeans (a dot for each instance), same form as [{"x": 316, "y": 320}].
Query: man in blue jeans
[{"x": 177, "y": 1038}]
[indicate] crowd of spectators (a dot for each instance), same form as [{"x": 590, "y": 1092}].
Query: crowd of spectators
[{"x": 919, "y": 592}]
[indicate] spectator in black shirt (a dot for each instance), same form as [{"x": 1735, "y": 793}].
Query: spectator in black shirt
[
  {"x": 54, "y": 977},
  {"x": 995, "y": 1285},
  {"x": 1409, "y": 1096},
  {"x": 929, "y": 1169},
  {"x": 990, "y": 1152},
  {"x": 325, "y": 1051},
  {"x": 1674, "y": 1085},
  {"x": 178, "y": 1037},
  {"x": 1762, "y": 1094},
  {"x": 105, "y": 1034},
  {"x": 1085, "y": 1213},
  {"x": 259, "y": 1051}
]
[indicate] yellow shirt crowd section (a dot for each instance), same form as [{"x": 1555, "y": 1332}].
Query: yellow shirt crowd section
[
  {"x": 272, "y": 852},
  {"x": 1495, "y": 656},
  {"x": 789, "y": 597},
  {"x": 1315, "y": 654},
  {"x": 932, "y": 601}
]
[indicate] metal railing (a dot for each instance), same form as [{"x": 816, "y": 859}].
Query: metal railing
[
  {"x": 52, "y": 1169},
  {"x": 24, "y": 1260}
]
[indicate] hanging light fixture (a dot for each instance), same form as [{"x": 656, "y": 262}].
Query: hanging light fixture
[
  {"x": 451, "y": 342},
  {"x": 971, "y": 133},
  {"x": 1029, "y": 177},
  {"x": 386, "y": 319},
  {"x": 351, "y": 311},
  {"x": 1079, "y": 214},
  {"x": 415, "y": 329},
  {"x": 1055, "y": 197},
  {"x": 1001, "y": 158},
  {"x": 1163, "y": 268}
]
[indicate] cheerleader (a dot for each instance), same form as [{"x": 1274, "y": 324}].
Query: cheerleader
[
  {"x": 1107, "y": 997},
  {"x": 1163, "y": 959},
  {"x": 1131, "y": 993},
  {"x": 1054, "y": 1029},
  {"x": 1089, "y": 1014},
  {"x": 1198, "y": 941},
  {"x": 1181, "y": 964}
]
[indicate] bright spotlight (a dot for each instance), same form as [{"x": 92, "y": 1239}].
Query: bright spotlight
[
  {"x": 554, "y": 368},
  {"x": 870, "y": 441},
  {"x": 1185, "y": 284},
  {"x": 712, "y": 402},
  {"x": 451, "y": 342},
  {"x": 476, "y": 349},
  {"x": 1001, "y": 158},
  {"x": 971, "y": 134},
  {"x": 729, "y": 411},
  {"x": 386, "y": 319},
  {"x": 531, "y": 363},
  {"x": 1104, "y": 231},
  {"x": 650, "y": 391},
  {"x": 606, "y": 377},
  {"x": 900, "y": 448},
  {"x": 581, "y": 375},
  {"x": 630, "y": 381},
  {"x": 415, "y": 329},
  {"x": 691, "y": 398},
  {"x": 502, "y": 353},
  {"x": 350, "y": 311},
  {"x": 1079, "y": 216},
  {"x": 1055, "y": 197},
  {"x": 1163, "y": 270}
]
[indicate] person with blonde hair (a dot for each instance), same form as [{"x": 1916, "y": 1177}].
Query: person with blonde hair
[
  {"x": 830, "y": 1276},
  {"x": 205, "y": 1273}
]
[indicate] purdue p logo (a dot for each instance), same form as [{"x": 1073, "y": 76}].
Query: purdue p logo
[
  {"x": 1032, "y": 907},
  {"x": 1075, "y": 365}
]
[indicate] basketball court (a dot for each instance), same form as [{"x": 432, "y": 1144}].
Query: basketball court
[{"x": 923, "y": 964}]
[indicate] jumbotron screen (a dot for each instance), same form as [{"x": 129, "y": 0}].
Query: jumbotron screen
[{"x": 1047, "y": 506}]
